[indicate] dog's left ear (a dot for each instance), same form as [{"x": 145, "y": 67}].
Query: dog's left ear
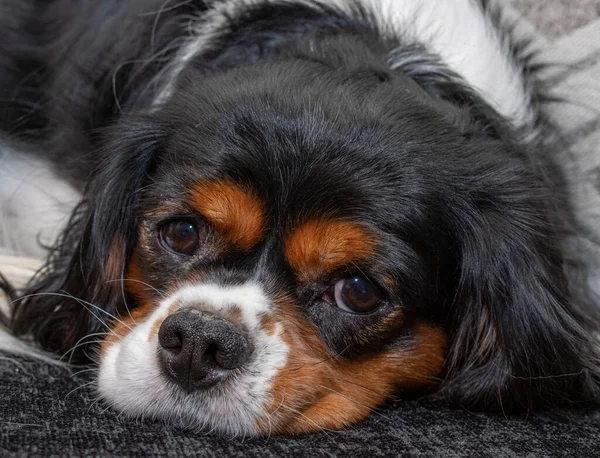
[
  {"x": 80, "y": 291},
  {"x": 518, "y": 337}
]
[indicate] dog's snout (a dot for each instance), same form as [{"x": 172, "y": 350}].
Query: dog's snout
[{"x": 197, "y": 349}]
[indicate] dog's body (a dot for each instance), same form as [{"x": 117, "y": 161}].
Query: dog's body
[{"x": 334, "y": 201}]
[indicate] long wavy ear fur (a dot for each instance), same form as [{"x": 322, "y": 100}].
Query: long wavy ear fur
[
  {"x": 519, "y": 336},
  {"x": 76, "y": 293}
]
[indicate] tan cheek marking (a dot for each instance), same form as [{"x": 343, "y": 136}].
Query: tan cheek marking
[
  {"x": 113, "y": 268},
  {"x": 363, "y": 385},
  {"x": 332, "y": 412},
  {"x": 268, "y": 324},
  {"x": 234, "y": 211},
  {"x": 394, "y": 320},
  {"x": 295, "y": 387},
  {"x": 144, "y": 303},
  {"x": 173, "y": 308},
  {"x": 319, "y": 247},
  {"x": 405, "y": 368},
  {"x": 234, "y": 314},
  {"x": 154, "y": 329},
  {"x": 135, "y": 283},
  {"x": 124, "y": 327},
  {"x": 315, "y": 390}
]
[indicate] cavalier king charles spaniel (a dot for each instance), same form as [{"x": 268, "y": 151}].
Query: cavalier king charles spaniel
[{"x": 291, "y": 211}]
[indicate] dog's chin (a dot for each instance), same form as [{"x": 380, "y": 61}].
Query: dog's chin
[{"x": 132, "y": 382}]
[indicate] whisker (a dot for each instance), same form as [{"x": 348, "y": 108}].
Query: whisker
[
  {"x": 106, "y": 410},
  {"x": 83, "y": 344},
  {"x": 83, "y": 371},
  {"x": 323, "y": 430},
  {"x": 77, "y": 344},
  {"x": 356, "y": 402},
  {"x": 95, "y": 402},
  {"x": 127, "y": 309},
  {"x": 100, "y": 309},
  {"x": 81, "y": 301},
  {"x": 361, "y": 272},
  {"x": 304, "y": 364},
  {"x": 79, "y": 388},
  {"x": 17, "y": 363},
  {"x": 366, "y": 388},
  {"x": 158, "y": 291},
  {"x": 164, "y": 9},
  {"x": 272, "y": 414},
  {"x": 280, "y": 404}
]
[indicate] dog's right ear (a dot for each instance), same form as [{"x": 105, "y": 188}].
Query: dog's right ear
[
  {"x": 522, "y": 337},
  {"x": 78, "y": 291}
]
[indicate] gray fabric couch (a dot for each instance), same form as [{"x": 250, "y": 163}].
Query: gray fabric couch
[{"x": 51, "y": 410}]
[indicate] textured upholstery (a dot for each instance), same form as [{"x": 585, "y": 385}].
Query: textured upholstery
[{"x": 48, "y": 409}]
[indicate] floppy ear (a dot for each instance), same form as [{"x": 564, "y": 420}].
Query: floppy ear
[
  {"x": 78, "y": 291},
  {"x": 519, "y": 338}
]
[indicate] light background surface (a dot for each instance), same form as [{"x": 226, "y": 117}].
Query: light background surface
[{"x": 555, "y": 18}]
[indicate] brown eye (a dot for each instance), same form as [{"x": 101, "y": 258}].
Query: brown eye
[
  {"x": 356, "y": 295},
  {"x": 180, "y": 237}
]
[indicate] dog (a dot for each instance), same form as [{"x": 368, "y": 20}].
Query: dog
[{"x": 282, "y": 213}]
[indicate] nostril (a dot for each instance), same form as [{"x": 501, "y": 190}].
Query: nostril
[
  {"x": 172, "y": 341},
  {"x": 226, "y": 356},
  {"x": 234, "y": 353},
  {"x": 210, "y": 354}
]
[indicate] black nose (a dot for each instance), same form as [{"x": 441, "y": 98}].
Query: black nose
[{"x": 198, "y": 349}]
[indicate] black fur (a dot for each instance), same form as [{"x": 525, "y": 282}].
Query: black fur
[{"x": 301, "y": 104}]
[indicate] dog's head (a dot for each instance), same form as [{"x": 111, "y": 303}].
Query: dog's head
[{"x": 283, "y": 247}]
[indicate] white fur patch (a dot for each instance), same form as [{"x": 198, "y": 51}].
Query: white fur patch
[
  {"x": 17, "y": 271},
  {"x": 34, "y": 204},
  {"x": 34, "y": 207},
  {"x": 456, "y": 30},
  {"x": 131, "y": 380},
  {"x": 248, "y": 297},
  {"x": 463, "y": 37},
  {"x": 17, "y": 347}
]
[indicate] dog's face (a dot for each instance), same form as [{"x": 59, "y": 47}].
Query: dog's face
[
  {"x": 281, "y": 278},
  {"x": 289, "y": 244}
]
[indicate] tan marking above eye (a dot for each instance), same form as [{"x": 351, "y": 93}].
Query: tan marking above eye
[
  {"x": 321, "y": 246},
  {"x": 235, "y": 211},
  {"x": 126, "y": 324}
]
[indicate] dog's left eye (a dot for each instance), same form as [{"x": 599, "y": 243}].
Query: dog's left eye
[
  {"x": 356, "y": 295},
  {"x": 180, "y": 237}
]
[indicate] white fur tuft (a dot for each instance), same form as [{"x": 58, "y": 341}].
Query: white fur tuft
[
  {"x": 456, "y": 30},
  {"x": 34, "y": 204},
  {"x": 18, "y": 270}
]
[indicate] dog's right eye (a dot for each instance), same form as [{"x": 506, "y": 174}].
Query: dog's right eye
[
  {"x": 180, "y": 236},
  {"x": 354, "y": 295}
]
